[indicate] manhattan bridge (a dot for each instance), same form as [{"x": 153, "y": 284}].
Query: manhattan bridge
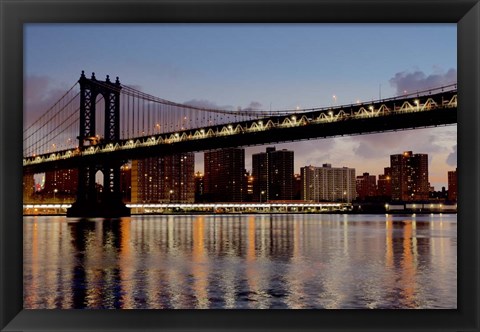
[{"x": 100, "y": 125}]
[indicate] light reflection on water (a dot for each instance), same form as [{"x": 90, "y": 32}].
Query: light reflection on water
[{"x": 241, "y": 261}]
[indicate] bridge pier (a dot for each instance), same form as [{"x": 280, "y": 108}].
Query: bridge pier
[
  {"x": 89, "y": 203},
  {"x": 105, "y": 204},
  {"x": 95, "y": 209}
]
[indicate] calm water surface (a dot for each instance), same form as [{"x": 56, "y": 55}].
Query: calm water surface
[{"x": 241, "y": 261}]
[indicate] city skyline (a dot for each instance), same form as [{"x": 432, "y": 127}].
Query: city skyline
[
  {"x": 173, "y": 179},
  {"x": 261, "y": 66}
]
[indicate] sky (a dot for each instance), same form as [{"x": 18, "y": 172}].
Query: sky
[{"x": 267, "y": 66}]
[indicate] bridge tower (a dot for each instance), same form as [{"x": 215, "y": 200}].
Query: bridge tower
[{"x": 89, "y": 204}]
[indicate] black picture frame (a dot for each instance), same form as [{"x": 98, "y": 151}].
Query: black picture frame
[{"x": 14, "y": 13}]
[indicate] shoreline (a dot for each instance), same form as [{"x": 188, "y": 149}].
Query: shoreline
[{"x": 271, "y": 213}]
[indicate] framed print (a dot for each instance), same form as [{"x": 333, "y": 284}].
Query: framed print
[{"x": 318, "y": 160}]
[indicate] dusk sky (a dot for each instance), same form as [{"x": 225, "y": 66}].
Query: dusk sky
[{"x": 267, "y": 66}]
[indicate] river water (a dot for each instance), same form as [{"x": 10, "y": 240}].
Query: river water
[{"x": 241, "y": 261}]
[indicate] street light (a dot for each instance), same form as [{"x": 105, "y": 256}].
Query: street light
[
  {"x": 54, "y": 192},
  {"x": 261, "y": 194}
]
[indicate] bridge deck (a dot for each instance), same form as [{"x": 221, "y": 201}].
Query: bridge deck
[{"x": 386, "y": 115}]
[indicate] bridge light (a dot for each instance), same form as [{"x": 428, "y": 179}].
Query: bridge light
[
  {"x": 370, "y": 108},
  {"x": 260, "y": 122},
  {"x": 202, "y": 131},
  {"x": 230, "y": 126},
  {"x": 294, "y": 118},
  {"x": 330, "y": 113}
]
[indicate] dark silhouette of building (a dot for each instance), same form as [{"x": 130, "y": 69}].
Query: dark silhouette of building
[
  {"x": 62, "y": 183},
  {"x": 272, "y": 173},
  {"x": 248, "y": 187},
  {"x": 366, "y": 185},
  {"x": 199, "y": 187},
  {"x": 409, "y": 176},
  {"x": 224, "y": 175},
  {"x": 384, "y": 184},
  {"x": 28, "y": 187},
  {"x": 452, "y": 185},
  {"x": 438, "y": 195},
  {"x": 126, "y": 182},
  {"x": 164, "y": 179},
  {"x": 260, "y": 175},
  {"x": 297, "y": 186}
]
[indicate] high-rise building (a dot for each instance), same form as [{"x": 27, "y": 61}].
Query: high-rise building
[
  {"x": 224, "y": 175},
  {"x": 248, "y": 187},
  {"x": 280, "y": 175},
  {"x": 327, "y": 183},
  {"x": 166, "y": 179},
  {"x": 28, "y": 187},
  {"x": 452, "y": 185},
  {"x": 297, "y": 186},
  {"x": 126, "y": 182},
  {"x": 272, "y": 173},
  {"x": 366, "y": 186},
  {"x": 260, "y": 176},
  {"x": 62, "y": 182},
  {"x": 384, "y": 184},
  {"x": 409, "y": 176}
]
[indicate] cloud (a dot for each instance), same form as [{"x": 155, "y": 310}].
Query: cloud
[
  {"x": 203, "y": 103},
  {"x": 253, "y": 106},
  {"x": 418, "y": 80},
  {"x": 35, "y": 88},
  {"x": 452, "y": 157},
  {"x": 376, "y": 145},
  {"x": 207, "y": 104},
  {"x": 379, "y": 145},
  {"x": 39, "y": 94},
  {"x": 136, "y": 87}
]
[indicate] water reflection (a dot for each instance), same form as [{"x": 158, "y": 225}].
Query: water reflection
[{"x": 235, "y": 261}]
